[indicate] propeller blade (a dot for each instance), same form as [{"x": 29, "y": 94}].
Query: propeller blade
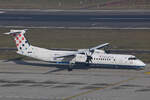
[{"x": 89, "y": 59}]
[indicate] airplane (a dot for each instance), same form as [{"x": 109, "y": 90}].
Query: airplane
[{"x": 94, "y": 56}]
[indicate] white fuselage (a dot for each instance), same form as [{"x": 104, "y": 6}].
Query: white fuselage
[
  {"x": 115, "y": 60},
  {"x": 99, "y": 57}
]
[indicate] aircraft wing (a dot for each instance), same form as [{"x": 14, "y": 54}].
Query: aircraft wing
[
  {"x": 67, "y": 55},
  {"x": 99, "y": 46},
  {"x": 82, "y": 51}
]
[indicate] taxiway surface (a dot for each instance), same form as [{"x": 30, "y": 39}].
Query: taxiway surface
[
  {"x": 34, "y": 80},
  {"x": 68, "y": 19}
]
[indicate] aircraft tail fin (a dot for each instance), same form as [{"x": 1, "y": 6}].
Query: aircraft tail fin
[{"x": 20, "y": 40}]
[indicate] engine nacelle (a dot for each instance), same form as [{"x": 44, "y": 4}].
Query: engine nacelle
[
  {"x": 99, "y": 51},
  {"x": 80, "y": 58}
]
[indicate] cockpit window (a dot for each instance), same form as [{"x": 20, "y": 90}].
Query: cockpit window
[{"x": 132, "y": 58}]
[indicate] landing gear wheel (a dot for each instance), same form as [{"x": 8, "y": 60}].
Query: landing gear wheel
[
  {"x": 69, "y": 68},
  {"x": 71, "y": 65},
  {"x": 87, "y": 64}
]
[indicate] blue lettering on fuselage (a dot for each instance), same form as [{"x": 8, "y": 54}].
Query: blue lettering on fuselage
[{"x": 62, "y": 62}]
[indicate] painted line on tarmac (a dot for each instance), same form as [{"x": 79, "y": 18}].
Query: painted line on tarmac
[
  {"x": 2, "y": 12},
  {"x": 118, "y": 18},
  {"x": 77, "y": 10},
  {"x": 147, "y": 73},
  {"x": 96, "y": 89},
  {"x": 90, "y": 27}
]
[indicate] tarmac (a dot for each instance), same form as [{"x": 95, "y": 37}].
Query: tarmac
[
  {"x": 103, "y": 19},
  {"x": 36, "y": 80}
]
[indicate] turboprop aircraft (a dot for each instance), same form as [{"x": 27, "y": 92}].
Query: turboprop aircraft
[{"x": 92, "y": 56}]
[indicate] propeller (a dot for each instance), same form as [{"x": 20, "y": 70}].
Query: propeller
[
  {"x": 107, "y": 49},
  {"x": 89, "y": 57}
]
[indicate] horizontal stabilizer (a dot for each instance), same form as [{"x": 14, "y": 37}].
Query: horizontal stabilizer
[{"x": 15, "y": 31}]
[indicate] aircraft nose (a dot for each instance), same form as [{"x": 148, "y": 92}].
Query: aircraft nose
[{"x": 141, "y": 63}]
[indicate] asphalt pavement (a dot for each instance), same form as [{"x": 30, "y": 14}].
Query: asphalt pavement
[
  {"x": 36, "y": 80},
  {"x": 75, "y": 19}
]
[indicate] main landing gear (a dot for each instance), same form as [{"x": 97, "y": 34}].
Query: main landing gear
[
  {"x": 71, "y": 65},
  {"x": 70, "y": 68}
]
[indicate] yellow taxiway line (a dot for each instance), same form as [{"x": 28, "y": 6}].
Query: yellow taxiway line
[
  {"x": 147, "y": 72},
  {"x": 96, "y": 89}
]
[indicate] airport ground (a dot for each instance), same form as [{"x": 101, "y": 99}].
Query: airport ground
[
  {"x": 36, "y": 80},
  {"x": 75, "y": 4},
  {"x": 75, "y": 19},
  {"x": 24, "y": 79}
]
